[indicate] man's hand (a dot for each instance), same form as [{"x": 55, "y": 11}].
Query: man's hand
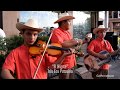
[
  {"x": 80, "y": 41},
  {"x": 61, "y": 59},
  {"x": 71, "y": 43}
]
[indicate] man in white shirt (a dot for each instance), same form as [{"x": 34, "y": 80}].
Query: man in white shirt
[{"x": 2, "y": 33}]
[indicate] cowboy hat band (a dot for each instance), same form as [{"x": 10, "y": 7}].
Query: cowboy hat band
[
  {"x": 100, "y": 28},
  {"x": 64, "y": 16},
  {"x": 30, "y": 24}
]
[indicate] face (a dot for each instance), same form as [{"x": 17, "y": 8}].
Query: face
[
  {"x": 66, "y": 24},
  {"x": 30, "y": 37},
  {"x": 101, "y": 34}
]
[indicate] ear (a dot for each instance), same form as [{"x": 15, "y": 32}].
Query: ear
[{"x": 22, "y": 31}]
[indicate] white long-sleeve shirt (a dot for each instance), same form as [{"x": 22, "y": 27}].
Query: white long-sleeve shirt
[{"x": 2, "y": 33}]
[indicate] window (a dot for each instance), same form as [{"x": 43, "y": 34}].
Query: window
[
  {"x": 116, "y": 28},
  {"x": 114, "y": 14}
]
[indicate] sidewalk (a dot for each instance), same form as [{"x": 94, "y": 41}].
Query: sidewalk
[{"x": 114, "y": 72}]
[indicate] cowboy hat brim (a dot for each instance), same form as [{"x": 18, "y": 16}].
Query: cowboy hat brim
[
  {"x": 21, "y": 26},
  {"x": 99, "y": 29},
  {"x": 64, "y": 18}
]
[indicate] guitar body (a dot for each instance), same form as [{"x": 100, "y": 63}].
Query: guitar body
[{"x": 91, "y": 62}]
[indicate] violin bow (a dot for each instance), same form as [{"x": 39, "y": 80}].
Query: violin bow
[{"x": 42, "y": 56}]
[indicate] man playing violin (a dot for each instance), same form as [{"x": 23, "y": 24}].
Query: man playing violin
[
  {"x": 21, "y": 63},
  {"x": 62, "y": 36},
  {"x": 97, "y": 47}
]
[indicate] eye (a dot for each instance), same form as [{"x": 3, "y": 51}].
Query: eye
[
  {"x": 35, "y": 34},
  {"x": 28, "y": 33}
]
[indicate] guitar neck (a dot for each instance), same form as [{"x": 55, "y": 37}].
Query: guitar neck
[{"x": 115, "y": 52}]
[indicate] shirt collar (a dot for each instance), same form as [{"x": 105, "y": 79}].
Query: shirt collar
[
  {"x": 61, "y": 29},
  {"x": 100, "y": 39},
  {"x": 25, "y": 47}
]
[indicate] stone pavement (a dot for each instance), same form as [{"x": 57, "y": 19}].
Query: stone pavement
[{"x": 114, "y": 72}]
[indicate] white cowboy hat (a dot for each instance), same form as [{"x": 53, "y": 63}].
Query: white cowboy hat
[
  {"x": 64, "y": 16},
  {"x": 100, "y": 27},
  {"x": 30, "y": 24}
]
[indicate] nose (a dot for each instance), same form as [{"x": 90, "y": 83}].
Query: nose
[
  {"x": 32, "y": 37},
  {"x": 69, "y": 22}
]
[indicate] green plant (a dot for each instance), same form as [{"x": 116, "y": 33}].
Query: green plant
[
  {"x": 2, "y": 50},
  {"x": 2, "y": 44},
  {"x": 13, "y": 42},
  {"x": 8, "y": 44}
]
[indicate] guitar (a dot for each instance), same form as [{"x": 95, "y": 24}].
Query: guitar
[{"x": 92, "y": 63}]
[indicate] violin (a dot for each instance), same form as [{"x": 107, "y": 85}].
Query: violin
[{"x": 52, "y": 49}]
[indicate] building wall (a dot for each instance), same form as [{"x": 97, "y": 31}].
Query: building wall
[
  {"x": 9, "y": 22},
  {"x": 111, "y": 21}
]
